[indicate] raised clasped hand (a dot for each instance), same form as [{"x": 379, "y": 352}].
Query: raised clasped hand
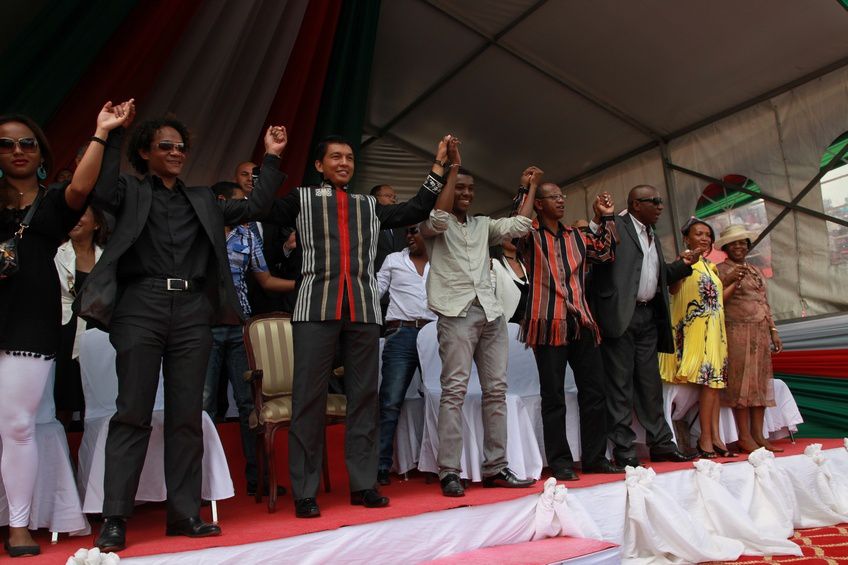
[
  {"x": 532, "y": 175},
  {"x": 603, "y": 204},
  {"x": 112, "y": 116},
  {"x": 453, "y": 150},
  {"x": 276, "y": 138}
]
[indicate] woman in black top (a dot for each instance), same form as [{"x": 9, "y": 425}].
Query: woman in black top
[{"x": 29, "y": 299}]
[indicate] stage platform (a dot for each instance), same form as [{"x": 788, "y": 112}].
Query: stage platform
[{"x": 420, "y": 525}]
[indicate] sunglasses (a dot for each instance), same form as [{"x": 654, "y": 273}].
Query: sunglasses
[
  {"x": 171, "y": 145},
  {"x": 656, "y": 200},
  {"x": 27, "y": 145}
]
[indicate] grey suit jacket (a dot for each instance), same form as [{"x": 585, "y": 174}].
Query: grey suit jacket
[
  {"x": 614, "y": 286},
  {"x": 129, "y": 198}
]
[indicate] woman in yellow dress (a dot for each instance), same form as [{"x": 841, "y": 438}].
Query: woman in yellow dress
[{"x": 697, "y": 318}]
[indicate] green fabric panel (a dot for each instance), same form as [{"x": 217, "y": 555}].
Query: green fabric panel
[
  {"x": 51, "y": 53},
  {"x": 345, "y": 94},
  {"x": 823, "y": 403}
]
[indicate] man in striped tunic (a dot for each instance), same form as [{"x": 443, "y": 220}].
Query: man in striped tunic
[
  {"x": 337, "y": 301},
  {"x": 557, "y": 324}
]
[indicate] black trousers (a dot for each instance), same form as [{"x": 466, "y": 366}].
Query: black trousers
[
  {"x": 633, "y": 382},
  {"x": 585, "y": 360},
  {"x": 315, "y": 344},
  {"x": 153, "y": 327}
]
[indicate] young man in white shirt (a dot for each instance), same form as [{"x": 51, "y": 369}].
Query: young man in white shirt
[
  {"x": 471, "y": 324},
  {"x": 403, "y": 275}
]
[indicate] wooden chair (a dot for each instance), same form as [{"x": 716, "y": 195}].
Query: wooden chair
[{"x": 270, "y": 356}]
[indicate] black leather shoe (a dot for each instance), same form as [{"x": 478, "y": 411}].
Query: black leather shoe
[
  {"x": 383, "y": 477},
  {"x": 452, "y": 486},
  {"x": 21, "y": 550},
  {"x": 507, "y": 479},
  {"x": 251, "y": 490},
  {"x": 113, "y": 535},
  {"x": 192, "y": 527},
  {"x": 603, "y": 467},
  {"x": 369, "y": 498},
  {"x": 673, "y": 456},
  {"x": 306, "y": 508},
  {"x": 628, "y": 462},
  {"x": 565, "y": 474}
]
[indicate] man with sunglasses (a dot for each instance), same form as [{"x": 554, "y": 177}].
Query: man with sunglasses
[
  {"x": 404, "y": 276},
  {"x": 560, "y": 328},
  {"x": 163, "y": 280},
  {"x": 629, "y": 298}
]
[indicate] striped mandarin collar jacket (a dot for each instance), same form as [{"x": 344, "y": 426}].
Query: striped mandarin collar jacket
[
  {"x": 556, "y": 267},
  {"x": 338, "y": 233}
]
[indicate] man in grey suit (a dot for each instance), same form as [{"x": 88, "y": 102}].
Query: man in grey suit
[{"x": 629, "y": 298}]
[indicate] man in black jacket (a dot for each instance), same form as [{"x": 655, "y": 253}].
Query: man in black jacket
[
  {"x": 162, "y": 282},
  {"x": 629, "y": 298}
]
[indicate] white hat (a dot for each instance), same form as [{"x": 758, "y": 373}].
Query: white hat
[{"x": 732, "y": 233}]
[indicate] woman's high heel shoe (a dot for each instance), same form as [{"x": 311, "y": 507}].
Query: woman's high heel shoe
[
  {"x": 724, "y": 452},
  {"x": 706, "y": 454}
]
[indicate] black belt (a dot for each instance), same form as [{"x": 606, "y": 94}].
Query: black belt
[
  {"x": 170, "y": 284},
  {"x": 391, "y": 324}
]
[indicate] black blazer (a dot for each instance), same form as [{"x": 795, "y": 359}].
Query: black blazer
[
  {"x": 612, "y": 293},
  {"x": 129, "y": 198}
]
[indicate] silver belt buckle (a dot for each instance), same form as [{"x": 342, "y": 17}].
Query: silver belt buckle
[{"x": 176, "y": 284}]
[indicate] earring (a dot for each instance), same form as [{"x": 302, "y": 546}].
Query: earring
[{"x": 41, "y": 172}]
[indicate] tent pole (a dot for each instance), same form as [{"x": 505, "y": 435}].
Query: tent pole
[
  {"x": 671, "y": 187},
  {"x": 763, "y": 195}
]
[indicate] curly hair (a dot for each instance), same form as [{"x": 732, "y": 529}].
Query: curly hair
[{"x": 142, "y": 139}]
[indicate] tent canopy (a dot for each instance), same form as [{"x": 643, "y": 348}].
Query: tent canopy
[{"x": 575, "y": 86}]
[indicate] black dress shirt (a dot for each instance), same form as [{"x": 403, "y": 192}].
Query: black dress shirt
[{"x": 172, "y": 242}]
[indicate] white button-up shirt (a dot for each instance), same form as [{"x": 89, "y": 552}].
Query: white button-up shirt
[
  {"x": 650, "y": 275},
  {"x": 460, "y": 262},
  {"x": 407, "y": 289}
]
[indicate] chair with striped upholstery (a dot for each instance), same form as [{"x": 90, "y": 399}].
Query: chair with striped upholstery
[{"x": 270, "y": 355}]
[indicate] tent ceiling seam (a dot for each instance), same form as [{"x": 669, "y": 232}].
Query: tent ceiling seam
[{"x": 603, "y": 105}]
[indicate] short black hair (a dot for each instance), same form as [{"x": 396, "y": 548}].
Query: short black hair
[
  {"x": 321, "y": 148},
  {"x": 101, "y": 235},
  {"x": 142, "y": 138},
  {"x": 464, "y": 171},
  {"x": 225, "y": 188},
  {"x": 376, "y": 189}
]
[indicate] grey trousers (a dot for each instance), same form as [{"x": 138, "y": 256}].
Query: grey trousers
[
  {"x": 487, "y": 343},
  {"x": 314, "y": 345}
]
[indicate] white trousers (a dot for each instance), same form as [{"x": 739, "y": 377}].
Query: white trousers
[{"x": 22, "y": 382}]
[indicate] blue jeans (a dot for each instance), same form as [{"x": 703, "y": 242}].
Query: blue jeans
[
  {"x": 400, "y": 359},
  {"x": 228, "y": 353}
]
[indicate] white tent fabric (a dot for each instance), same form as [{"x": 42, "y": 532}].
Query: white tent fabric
[{"x": 577, "y": 88}]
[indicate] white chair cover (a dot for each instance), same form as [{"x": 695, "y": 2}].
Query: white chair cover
[
  {"x": 524, "y": 451},
  {"x": 722, "y": 514},
  {"x": 658, "y": 530},
  {"x": 831, "y": 486},
  {"x": 97, "y": 365},
  {"x": 55, "y": 502},
  {"x": 772, "y": 503},
  {"x": 814, "y": 510},
  {"x": 784, "y": 416}
]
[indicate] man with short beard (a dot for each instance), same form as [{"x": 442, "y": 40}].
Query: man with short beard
[
  {"x": 630, "y": 300},
  {"x": 471, "y": 324}
]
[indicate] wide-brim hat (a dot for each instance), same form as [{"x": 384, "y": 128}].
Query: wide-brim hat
[{"x": 734, "y": 232}]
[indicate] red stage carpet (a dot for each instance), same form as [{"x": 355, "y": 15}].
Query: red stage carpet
[{"x": 243, "y": 521}]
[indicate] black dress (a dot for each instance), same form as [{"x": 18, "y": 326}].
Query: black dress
[{"x": 30, "y": 300}]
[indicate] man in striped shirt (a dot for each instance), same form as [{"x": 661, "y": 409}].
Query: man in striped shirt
[
  {"x": 557, "y": 318},
  {"x": 337, "y": 301}
]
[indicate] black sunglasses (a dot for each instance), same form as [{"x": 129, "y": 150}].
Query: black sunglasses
[
  {"x": 171, "y": 145},
  {"x": 656, "y": 200},
  {"x": 27, "y": 145}
]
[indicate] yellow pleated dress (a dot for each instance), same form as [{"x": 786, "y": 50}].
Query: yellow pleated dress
[{"x": 700, "y": 341}]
